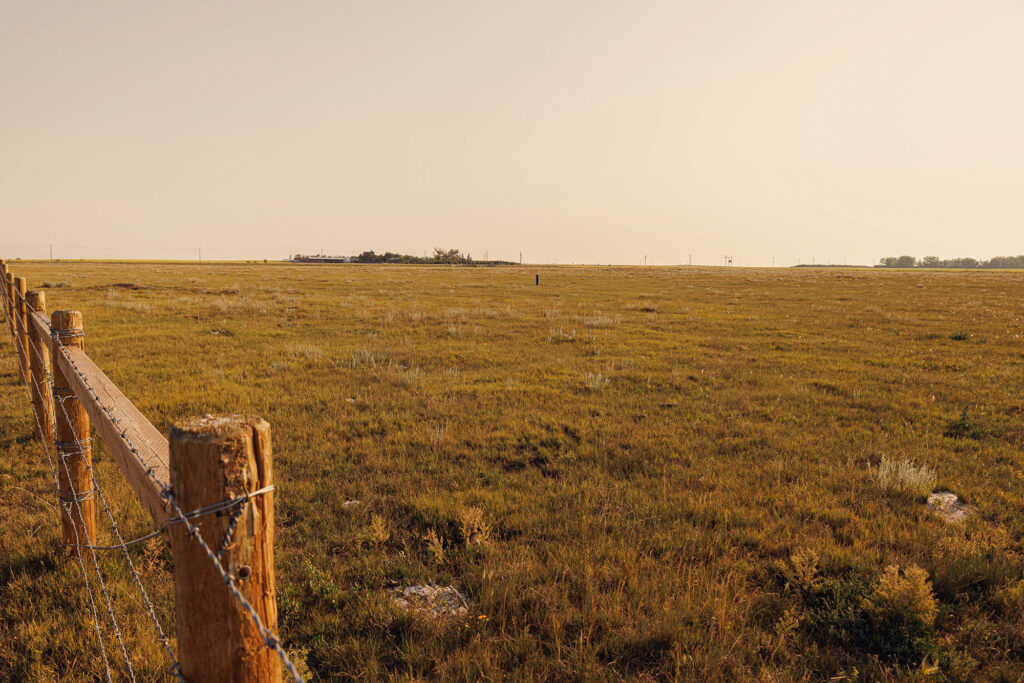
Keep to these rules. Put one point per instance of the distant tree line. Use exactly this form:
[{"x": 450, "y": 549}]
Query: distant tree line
[
  {"x": 449, "y": 256},
  {"x": 441, "y": 256},
  {"x": 935, "y": 262}
]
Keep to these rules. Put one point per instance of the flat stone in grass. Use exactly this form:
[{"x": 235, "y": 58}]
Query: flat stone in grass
[
  {"x": 948, "y": 507},
  {"x": 442, "y": 601}
]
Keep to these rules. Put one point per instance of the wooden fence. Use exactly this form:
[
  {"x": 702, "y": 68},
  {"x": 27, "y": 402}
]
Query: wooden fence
[{"x": 209, "y": 489}]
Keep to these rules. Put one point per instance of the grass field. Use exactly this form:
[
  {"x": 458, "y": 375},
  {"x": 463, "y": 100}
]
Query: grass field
[{"x": 632, "y": 473}]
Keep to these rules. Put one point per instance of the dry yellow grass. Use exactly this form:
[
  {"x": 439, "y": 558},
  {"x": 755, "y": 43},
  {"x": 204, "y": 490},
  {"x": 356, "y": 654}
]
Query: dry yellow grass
[{"x": 632, "y": 473}]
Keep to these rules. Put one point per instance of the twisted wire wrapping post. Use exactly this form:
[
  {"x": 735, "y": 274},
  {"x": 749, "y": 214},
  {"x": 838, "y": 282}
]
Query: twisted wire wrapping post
[
  {"x": 63, "y": 396},
  {"x": 270, "y": 639},
  {"x": 198, "y": 512}
]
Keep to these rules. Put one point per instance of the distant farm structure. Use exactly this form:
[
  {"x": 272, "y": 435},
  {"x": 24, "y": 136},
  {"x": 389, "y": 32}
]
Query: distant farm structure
[
  {"x": 441, "y": 256},
  {"x": 299, "y": 258}
]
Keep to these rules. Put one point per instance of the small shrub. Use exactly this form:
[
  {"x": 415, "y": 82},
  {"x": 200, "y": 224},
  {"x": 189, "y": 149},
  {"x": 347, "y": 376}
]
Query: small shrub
[
  {"x": 435, "y": 546},
  {"x": 474, "y": 530},
  {"x": 964, "y": 427},
  {"x": 891, "y": 619},
  {"x": 379, "y": 533},
  {"x": 595, "y": 380},
  {"x": 802, "y": 571},
  {"x": 905, "y": 476},
  {"x": 904, "y": 595}
]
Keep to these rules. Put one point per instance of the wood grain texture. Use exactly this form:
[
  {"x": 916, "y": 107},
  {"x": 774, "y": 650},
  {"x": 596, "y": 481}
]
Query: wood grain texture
[
  {"x": 39, "y": 368},
  {"x": 217, "y": 458},
  {"x": 116, "y": 416},
  {"x": 74, "y": 451},
  {"x": 3, "y": 290},
  {"x": 20, "y": 332},
  {"x": 39, "y": 321},
  {"x": 6, "y": 287}
]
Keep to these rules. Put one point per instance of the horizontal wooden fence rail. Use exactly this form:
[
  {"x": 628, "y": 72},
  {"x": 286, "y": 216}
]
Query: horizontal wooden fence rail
[
  {"x": 147, "y": 460},
  {"x": 209, "y": 490}
]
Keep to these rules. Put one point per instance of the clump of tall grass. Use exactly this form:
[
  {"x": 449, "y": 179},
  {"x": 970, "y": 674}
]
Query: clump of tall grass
[
  {"x": 453, "y": 314},
  {"x": 904, "y": 475},
  {"x": 302, "y": 351},
  {"x": 561, "y": 335},
  {"x": 367, "y": 359},
  {"x": 600, "y": 319},
  {"x": 115, "y": 299},
  {"x": 595, "y": 380}
]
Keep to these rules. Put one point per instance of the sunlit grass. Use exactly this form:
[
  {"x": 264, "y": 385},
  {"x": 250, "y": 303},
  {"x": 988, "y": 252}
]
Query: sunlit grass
[{"x": 631, "y": 473}]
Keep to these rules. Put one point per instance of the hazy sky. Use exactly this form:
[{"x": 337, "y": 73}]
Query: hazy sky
[{"x": 566, "y": 130}]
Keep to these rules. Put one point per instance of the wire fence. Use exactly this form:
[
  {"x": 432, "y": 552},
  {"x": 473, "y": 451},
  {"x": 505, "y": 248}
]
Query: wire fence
[{"x": 77, "y": 505}]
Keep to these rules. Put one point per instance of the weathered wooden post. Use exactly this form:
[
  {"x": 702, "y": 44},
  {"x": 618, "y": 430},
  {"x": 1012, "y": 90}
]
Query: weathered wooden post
[
  {"x": 20, "y": 333},
  {"x": 9, "y": 296},
  {"x": 5, "y": 294},
  {"x": 3, "y": 283},
  {"x": 215, "y": 459},
  {"x": 39, "y": 367},
  {"x": 73, "y": 446}
]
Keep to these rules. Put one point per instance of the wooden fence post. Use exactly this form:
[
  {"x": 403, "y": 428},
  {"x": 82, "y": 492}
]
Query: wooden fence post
[
  {"x": 3, "y": 283},
  {"x": 73, "y": 446},
  {"x": 215, "y": 459},
  {"x": 20, "y": 333},
  {"x": 39, "y": 365},
  {"x": 5, "y": 294}
]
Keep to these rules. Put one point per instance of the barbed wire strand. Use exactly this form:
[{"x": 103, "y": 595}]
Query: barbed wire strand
[
  {"x": 77, "y": 499},
  {"x": 199, "y": 512},
  {"x": 81, "y": 562},
  {"x": 175, "y": 669},
  {"x": 270, "y": 639}
]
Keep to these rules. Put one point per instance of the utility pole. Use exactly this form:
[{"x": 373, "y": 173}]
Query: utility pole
[
  {"x": 773, "y": 261},
  {"x": 51, "y": 251},
  {"x": 200, "y": 254}
]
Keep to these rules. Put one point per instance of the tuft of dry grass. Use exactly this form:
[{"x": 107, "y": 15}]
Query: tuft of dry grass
[{"x": 904, "y": 475}]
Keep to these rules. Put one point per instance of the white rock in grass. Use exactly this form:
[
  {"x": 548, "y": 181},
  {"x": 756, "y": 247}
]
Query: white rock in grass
[
  {"x": 948, "y": 507},
  {"x": 432, "y": 599}
]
